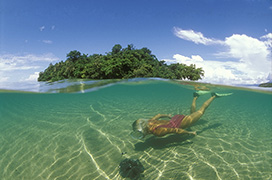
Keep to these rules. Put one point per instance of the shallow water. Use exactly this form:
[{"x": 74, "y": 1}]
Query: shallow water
[{"x": 82, "y": 135}]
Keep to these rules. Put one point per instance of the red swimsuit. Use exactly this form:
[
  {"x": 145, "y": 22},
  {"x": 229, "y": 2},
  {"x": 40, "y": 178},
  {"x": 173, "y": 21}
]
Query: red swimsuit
[{"x": 173, "y": 123}]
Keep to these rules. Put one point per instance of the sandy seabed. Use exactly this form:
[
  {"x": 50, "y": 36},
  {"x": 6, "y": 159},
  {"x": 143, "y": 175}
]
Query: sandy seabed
[{"x": 83, "y": 136}]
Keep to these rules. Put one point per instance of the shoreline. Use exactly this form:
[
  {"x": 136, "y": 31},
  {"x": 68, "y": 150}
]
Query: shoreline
[{"x": 82, "y": 85}]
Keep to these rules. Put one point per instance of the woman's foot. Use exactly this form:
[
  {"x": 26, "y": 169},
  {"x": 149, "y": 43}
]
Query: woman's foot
[
  {"x": 198, "y": 93},
  {"x": 195, "y": 94}
]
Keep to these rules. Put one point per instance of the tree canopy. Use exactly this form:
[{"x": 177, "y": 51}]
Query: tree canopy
[{"x": 120, "y": 63}]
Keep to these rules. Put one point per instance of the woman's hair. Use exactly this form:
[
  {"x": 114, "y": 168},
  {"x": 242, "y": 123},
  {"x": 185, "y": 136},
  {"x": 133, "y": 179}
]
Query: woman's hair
[{"x": 141, "y": 125}]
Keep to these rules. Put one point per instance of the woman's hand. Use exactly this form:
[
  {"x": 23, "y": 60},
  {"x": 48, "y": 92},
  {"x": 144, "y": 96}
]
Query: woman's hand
[{"x": 193, "y": 132}]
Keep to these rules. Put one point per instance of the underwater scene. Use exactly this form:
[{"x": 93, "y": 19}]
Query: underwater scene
[{"x": 83, "y": 132}]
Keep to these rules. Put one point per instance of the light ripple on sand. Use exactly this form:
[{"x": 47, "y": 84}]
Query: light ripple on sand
[{"x": 83, "y": 141}]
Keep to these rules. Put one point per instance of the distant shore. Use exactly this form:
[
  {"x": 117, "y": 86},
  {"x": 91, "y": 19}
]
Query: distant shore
[
  {"x": 265, "y": 85},
  {"x": 245, "y": 87}
]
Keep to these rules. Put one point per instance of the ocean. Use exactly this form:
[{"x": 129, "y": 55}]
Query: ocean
[{"x": 74, "y": 131}]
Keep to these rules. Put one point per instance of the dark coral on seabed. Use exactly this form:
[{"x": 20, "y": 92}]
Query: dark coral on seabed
[{"x": 131, "y": 168}]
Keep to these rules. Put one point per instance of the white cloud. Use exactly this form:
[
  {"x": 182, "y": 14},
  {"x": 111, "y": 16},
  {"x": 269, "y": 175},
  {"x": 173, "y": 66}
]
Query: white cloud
[
  {"x": 42, "y": 28},
  {"x": 268, "y": 39},
  {"x": 9, "y": 62},
  {"x": 17, "y": 68},
  {"x": 33, "y": 77},
  {"x": 196, "y": 37},
  {"x": 251, "y": 51},
  {"x": 252, "y": 66},
  {"x": 215, "y": 71},
  {"x": 218, "y": 72},
  {"x": 269, "y": 77},
  {"x": 197, "y": 58},
  {"x": 12, "y": 64},
  {"x": 3, "y": 78},
  {"x": 267, "y": 36},
  {"x": 47, "y": 41}
]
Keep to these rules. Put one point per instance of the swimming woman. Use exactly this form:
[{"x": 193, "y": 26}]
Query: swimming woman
[{"x": 177, "y": 124}]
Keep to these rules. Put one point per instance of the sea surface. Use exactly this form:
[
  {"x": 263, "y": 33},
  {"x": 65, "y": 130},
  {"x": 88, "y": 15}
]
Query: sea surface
[{"x": 85, "y": 134}]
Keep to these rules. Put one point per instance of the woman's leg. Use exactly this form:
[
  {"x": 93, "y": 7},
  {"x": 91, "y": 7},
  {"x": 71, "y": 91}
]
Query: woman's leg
[
  {"x": 206, "y": 104},
  {"x": 195, "y": 116},
  {"x": 193, "y": 106},
  {"x": 196, "y": 95}
]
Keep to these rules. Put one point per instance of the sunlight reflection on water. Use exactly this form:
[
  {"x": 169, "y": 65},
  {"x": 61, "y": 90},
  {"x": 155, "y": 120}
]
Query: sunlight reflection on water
[{"x": 82, "y": 85}]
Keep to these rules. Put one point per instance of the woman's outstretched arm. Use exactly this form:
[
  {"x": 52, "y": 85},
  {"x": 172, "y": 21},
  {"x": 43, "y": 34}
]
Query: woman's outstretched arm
[{"x": 158, "y": 116}]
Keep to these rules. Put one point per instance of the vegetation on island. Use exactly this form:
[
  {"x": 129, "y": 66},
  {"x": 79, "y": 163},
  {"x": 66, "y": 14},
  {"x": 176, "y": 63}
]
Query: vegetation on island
[
  {"x": 266, "y": 85},
  {"x": 120, "y": 63}
]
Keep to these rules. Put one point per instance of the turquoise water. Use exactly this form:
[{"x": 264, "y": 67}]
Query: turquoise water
[{"x": 82, "y": 135}]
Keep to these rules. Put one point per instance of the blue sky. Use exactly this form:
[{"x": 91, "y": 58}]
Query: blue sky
[{"x": 229, "y": 39}]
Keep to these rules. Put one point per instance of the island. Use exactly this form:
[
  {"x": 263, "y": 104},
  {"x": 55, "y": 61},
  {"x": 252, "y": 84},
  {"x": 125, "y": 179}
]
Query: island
[
  {"x": 120, "y": 63},
  {"x": 269, "y": 84}
]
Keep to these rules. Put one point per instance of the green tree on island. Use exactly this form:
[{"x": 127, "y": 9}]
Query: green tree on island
[{"x": 120, "y": 63}]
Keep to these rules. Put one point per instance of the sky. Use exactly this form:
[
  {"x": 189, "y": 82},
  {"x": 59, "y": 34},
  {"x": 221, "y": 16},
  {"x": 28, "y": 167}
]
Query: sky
[{"x": 230, "y": 39}]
